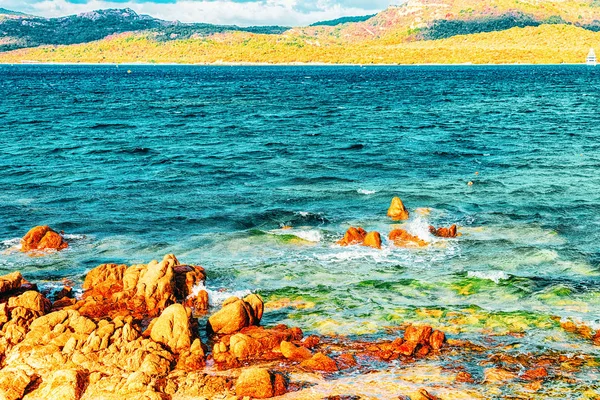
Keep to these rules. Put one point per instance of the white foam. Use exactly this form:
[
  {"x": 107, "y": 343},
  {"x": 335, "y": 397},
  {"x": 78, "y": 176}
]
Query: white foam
[
  {"x": 217, "y": 297},
  {"x": 303, "y": 213},
  {"x": 74, "y": 237},
  {"x": 419, "y": 226},
  {"x": 367, "y": 192},
  {"x": 308, "y": 235},
  {"x": 495, "y": 276},
  {"x": 12, "y": 242}
]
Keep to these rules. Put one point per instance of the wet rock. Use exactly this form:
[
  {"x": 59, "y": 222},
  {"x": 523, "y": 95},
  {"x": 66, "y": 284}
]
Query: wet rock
[
  {"x": 450, "y": 232},
  {"x": 198, "y": 302},
  {"x": 254, "y": 343},
  {"x": 345, "y": 361},
  {"x": 464, "y": 377},
  {"x": 105, "y": 278},
  {"x": 423, "y": 394},
  {"x": 402, "y": 238},
  {"x": 373, "y": 239},
  {"x": 260, "y": 383},
  {"x": 535, "y": 374},
  {"x": 293, "y": 352},
  {"x": 397, "y": 211},
  {"x": 498, "y": 375},
  {"x": 353, "y": 236},
  {"x": 418, "y": 334},
  {"x": 43, "y": 238},
  {"x": 437, "y": 339},
  {"x": 320, "y": 362}
]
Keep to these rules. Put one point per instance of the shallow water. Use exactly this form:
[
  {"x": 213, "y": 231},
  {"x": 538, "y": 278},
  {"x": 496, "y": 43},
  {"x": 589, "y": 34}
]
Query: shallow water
[{"x": 210, "y": 162}]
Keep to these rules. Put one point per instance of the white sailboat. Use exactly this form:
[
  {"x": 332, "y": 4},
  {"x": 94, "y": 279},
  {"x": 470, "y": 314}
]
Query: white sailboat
[{"x": 591, "y": 58}]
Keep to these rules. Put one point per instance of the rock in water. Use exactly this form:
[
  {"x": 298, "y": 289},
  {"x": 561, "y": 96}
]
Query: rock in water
[
  {"x": 353, "y": 236},
  {"x": 373, "y": 239},
  {"x": 320, "y": 362},
  {"x": 236, "y": 314},
  {"x": 397, "y": 211},
  {"x": 293, "y": 352},
  {"x": 43, "y": 238},
  {"x": 401, "y": 238},
  {"x": 450, "y": 232},
  {"x": 260, "y": 383}
]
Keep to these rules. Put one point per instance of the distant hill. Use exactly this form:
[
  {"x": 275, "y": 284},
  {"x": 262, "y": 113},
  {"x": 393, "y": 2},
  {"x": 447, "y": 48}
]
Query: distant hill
[
  {"x": 4, "y": 11},
  {"x": 30, "y": 31},
  {"x": 343, "y": 20},
  {"x": 418, "y": 31}
]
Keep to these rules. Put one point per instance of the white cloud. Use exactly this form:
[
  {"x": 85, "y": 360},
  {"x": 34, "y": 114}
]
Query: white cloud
[{"x": 261, "y": 12}]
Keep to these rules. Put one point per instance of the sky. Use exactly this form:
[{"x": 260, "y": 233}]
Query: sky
[{"x": 239, "y": 12}]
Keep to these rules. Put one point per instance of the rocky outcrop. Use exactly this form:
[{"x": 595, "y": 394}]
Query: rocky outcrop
[
  {"x": 450, "y": 232},
  {"x": 353, "y": 236},
  {"x": 236, "y": 314},
  {"x": 397, "y": 211},
  {"x": 43, "y": 238},
  {"x": 293, "y": 352},
  {"x": 141, "y": 291},
  {"x": 10, "y": 282},
  {"x": 402, "y": 238},
  {"x": 260, "y": 383}
]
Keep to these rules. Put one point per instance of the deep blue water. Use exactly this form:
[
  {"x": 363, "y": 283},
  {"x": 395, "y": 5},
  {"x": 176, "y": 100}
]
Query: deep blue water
[{"x": 209, "y": 162}]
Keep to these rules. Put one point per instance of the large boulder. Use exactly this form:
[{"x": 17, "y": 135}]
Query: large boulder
[
  {"x": 260, "y": 383},
  {"x": 293, "y": 352},
  {"x": 320, "y": 362},
  {"x": 10, "y": 282},
  {"x": 173, "y": 328},
  {"x": 62, "y": 384},
  {"x": 236, "y": 314},
  {"x": 43, "y": 238},
  {"x": 397, "y": 211}
]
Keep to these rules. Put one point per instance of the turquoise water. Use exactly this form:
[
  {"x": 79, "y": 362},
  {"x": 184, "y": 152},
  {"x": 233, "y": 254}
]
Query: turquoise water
[{"x": 210, "y": 162}]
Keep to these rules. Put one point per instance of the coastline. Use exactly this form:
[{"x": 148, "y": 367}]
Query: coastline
[{"x": 249, "y": 64}]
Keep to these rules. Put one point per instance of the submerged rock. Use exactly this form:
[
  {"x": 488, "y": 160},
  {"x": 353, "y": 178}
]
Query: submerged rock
[
  {"x": 43, "y": 238},
  {"x": 450, "y": 232},
  {"x": 402, "y": 238},
  {"x": 397, "y": 211}
]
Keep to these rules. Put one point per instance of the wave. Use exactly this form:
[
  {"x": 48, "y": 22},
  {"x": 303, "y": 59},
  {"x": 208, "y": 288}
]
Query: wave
[
  {"x": 310, "y": 235},
  {"x": 217, "y": 297},
  {"x": 367, "y": 192},
  {"x": 495, "y": 276}
]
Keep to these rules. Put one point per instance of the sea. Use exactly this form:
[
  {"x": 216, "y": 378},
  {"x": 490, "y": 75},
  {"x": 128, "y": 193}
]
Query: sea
[{"x": 255, "y": 172}]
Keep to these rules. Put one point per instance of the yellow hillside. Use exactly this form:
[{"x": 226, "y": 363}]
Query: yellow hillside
[{"x": 543, "y": 44}]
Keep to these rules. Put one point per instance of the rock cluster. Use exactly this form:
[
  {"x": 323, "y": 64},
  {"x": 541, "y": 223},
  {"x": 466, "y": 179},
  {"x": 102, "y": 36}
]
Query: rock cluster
[
  {"x": 402, "y": 238},
  {"x": 360, "y": 236},
  {"x": 397, "y": 211},
  {"x": 43, "y": 238}
]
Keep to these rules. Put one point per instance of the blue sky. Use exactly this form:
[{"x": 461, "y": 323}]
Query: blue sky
[{"x": 240, "y": 12}]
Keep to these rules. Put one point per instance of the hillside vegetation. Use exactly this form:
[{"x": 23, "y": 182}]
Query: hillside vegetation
[
  {"x": 418, "y": 31},
  {"x": 542, "y": 44}
]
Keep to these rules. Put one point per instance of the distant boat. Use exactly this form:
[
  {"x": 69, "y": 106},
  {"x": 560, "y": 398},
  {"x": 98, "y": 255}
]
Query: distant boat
[{"x": 591, "y": 58}]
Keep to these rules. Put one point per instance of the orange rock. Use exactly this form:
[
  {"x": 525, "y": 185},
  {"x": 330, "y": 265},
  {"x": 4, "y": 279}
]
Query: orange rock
[
  {"x": 417, "y": 334},
  {"x": 259, "y": 383},
  {"x": 407, "y": 348},
  {"x": 43, "y": 238},
  {"x": 423, "y": 351},
  {"x": 293, "y": 352},
  {"x": 373, "y": 239},
  {"x": 311, "y": 341},
  {"x": 423, "y": 394},
  {"x": 320, "y": 362},
  {"x": 199, "y": 302},
  {"x": 464, "y": 377},
  {"x": 62, "y": 384},
  {"x": 397, "y": 211},
  {"x": 535, "y": 374},
  {"x": 31, "y": 300},
  {"x": 353, "y": 236},
  {"x": 173, "y": 328},
  {"x": 437, "y": 339},
  {"x": 498, "y": 375},
  {"x": 10, "y": 281},
  {"x": 450, "y": 232},
  {"x": 345, "y": 361},
  {"x": 401, "y": 238},
  {"x": 235, "y": 315}
]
